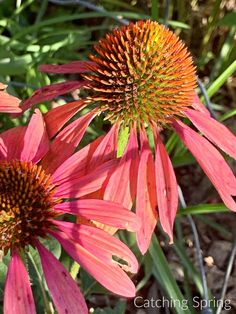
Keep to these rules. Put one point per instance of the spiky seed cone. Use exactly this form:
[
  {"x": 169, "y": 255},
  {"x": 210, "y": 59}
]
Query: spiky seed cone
[
  {"x": 25, "y": 204},
  {"x": 145, "y": 74}
]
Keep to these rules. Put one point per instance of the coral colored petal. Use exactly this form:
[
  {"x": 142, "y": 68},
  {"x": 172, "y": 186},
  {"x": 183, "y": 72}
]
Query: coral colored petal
[
  {"x": 77, "y": 165},
  {"x": 215, "y": 131},
  {"x": 166, "y": 185},
  {"x": 72, "y": 67},
  {"x": 93, "y": 249},
  {"x": 36, "y": 143},
  {"x": 228, "y": 200},
  {"x": 197, "y": 105},
  {"x": 49, "y": 92},
  {"x": 12, "y": 142},
  {"x": 65, "y": 293},
  {"x": 18, "y": 297},
  {"x": 66, "y": 141},
  {"x": 122, "y": 184},
  {"x": 8, "y": 103},
  {"x": 80, "y": 186},
  {"x": 146, "y": 202},
  {"x": 211, "y": 162},
  {"x": 106, "y": 150},
  {"x": 106, "y": 212},
  {"x": 57, "y": 117},
  {"x": 100, "y": 244}
]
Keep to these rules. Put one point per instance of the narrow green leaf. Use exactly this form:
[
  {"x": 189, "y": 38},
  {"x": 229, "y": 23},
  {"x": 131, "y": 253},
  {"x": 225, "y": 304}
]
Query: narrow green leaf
[
  {"x": 122, "y": 140},
  {"x": 203, "y": 209},
  {"x": 154, "y": 12},
  {"x": 215, "y": 86},
  {"x": 165, "y": 277}
]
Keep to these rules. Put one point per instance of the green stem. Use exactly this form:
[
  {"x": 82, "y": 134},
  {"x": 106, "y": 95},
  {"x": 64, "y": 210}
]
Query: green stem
[{"x": 45, "y": 298}]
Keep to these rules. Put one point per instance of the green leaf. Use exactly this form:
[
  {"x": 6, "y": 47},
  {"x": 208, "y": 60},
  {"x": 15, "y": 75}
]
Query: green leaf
[
  {"x": 164, "y": 276},
  {"x": 17, "y": 65},
  {"x": 122, "y": 140},
  {"x": 228, "y": 114},
  {"x": 215, "y": 86},
  {"x": 228, "y": 20},
  {"x": 203, "y": 209},
  {"x": 3, "y": 273}
]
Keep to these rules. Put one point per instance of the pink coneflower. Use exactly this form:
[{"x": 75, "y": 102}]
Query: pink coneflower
[
  {"x": 142, "y": 78},
  {"x": 33, "y": 200},
  {"x": 8, "y": 103}
]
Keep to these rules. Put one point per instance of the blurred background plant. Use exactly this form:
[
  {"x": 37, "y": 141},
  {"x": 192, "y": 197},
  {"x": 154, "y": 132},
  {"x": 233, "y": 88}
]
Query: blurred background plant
[{"x": 58, "y": 31}]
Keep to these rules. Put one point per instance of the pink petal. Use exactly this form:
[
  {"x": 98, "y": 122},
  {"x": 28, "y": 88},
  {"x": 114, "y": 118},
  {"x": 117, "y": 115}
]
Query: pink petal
[
  {"x": 167, "y": 192},
  {"x": 146, "y": 203},
  {"x": 197, "y": 105},
  {"x": 8, "y": 103},
  {"x": 65, "y": 293},
  {"x": 66, "y": 141},
  {"x": 106, "y": 212},
  {"x": 18, "y": 297},
  {"x": 76, "y": 165},
  {"x": 12, "y": 142},
  {"x": 80, "y": 186},
  {"x": 36, "y": 143},
  {"x": 106, "y": 150},
  {"x": 57, "y": 117},
  {"x": 72, "y": 67},
  {"x": 215, "y": 131},
  {"x": 122, "y": 184},
  {"x": 94, "y": 250},
  {"x": 211, "y": 161},
  {"x": 49, "y": 92}
]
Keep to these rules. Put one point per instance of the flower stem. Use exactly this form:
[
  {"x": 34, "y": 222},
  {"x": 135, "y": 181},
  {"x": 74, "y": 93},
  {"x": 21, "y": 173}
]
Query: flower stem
[{"x": 46, "y": 302}]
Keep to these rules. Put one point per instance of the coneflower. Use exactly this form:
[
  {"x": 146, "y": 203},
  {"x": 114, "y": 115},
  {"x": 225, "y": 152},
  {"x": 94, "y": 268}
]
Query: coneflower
[
  {"x": 33, "y": 201},
  {"x": 142, "y": 77}
]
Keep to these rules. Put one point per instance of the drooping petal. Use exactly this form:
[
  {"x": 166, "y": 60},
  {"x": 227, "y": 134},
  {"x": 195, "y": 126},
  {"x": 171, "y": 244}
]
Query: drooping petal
[
  {"x": 211, "y": 161},
  {"x": 106, "y": 150},
  {"x": 166, "y": 186},
  {"x": 106, "y": 212},
  {"x": 215, "y": 131},
  {"x": 91, "y": 182},
  {"x": 77, "y": 165},
  {"x": 36, "y": 143},
  {"x": 146, "y": 202},
  {"x": 65, "y": 293},
  {"x": 197, "y": 105},
  {"x": 18, "y": 297},
  {"x": 122, "y": 184},
  {"x": 95, "y": 251},
  {"x": 12, "y": 142},
  {"x": 8, "y": 103},
  {"x": 49, "y": 92},
  {"x": 57, "y": 117},
  {"x": 72, "y": 67},
  {"x": 66, "y": 141}
]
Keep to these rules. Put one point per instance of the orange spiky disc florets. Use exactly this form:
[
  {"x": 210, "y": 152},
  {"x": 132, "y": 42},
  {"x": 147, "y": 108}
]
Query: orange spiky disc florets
[
  {"x": 26, "y": 203},
  {"x": 144, "y": 73}
]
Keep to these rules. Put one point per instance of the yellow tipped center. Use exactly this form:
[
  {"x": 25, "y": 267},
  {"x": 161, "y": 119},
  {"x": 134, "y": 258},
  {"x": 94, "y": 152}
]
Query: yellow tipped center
[
  {"x": 26, "y": 202},
  {"x": 144, "y": 73}
]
